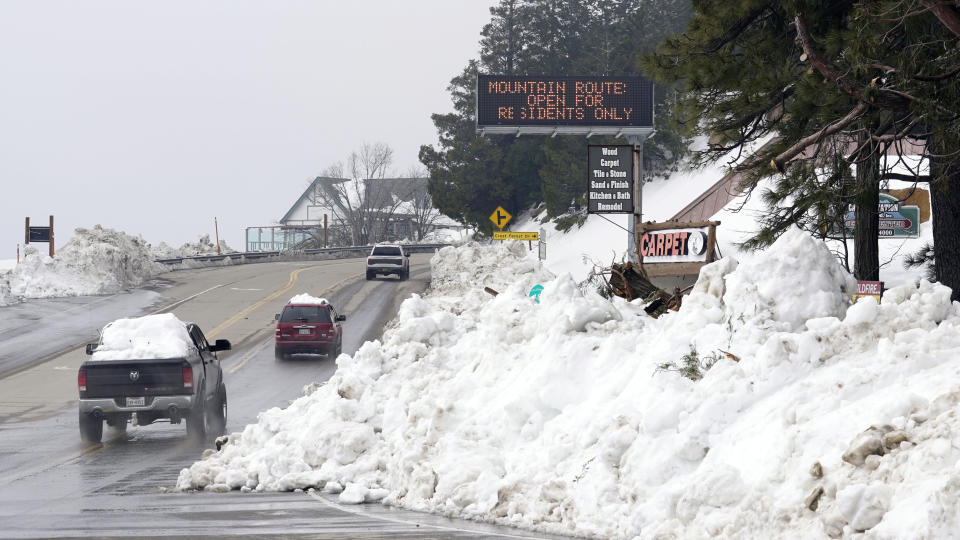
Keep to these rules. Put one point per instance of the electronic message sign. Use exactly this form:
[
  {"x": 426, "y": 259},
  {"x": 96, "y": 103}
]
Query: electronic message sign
[
  {"x": 610, "y": 177},
  {"x": 566, "y": 105}
]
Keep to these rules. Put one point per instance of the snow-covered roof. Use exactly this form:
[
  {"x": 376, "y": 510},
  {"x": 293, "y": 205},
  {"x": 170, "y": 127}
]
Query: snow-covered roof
[
  {"x": 304, "y": 298},
  {"x": 148, "y": 337}
]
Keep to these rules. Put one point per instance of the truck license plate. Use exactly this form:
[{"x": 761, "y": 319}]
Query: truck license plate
[
  {"x": 136, "y": 401},
  {"x": 304, "y": 331}
]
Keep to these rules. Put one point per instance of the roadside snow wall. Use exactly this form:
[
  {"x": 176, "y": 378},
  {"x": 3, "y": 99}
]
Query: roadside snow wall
[
  {"x": 94, "y": 261},
  {"x": 565, "y": 415}
]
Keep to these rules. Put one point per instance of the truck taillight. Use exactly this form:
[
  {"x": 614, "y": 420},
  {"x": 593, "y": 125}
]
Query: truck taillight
[
  {"x": 278, "y": 331},
  {"x": 188, "y": 377},
  {"x": 82, "y": 380}
]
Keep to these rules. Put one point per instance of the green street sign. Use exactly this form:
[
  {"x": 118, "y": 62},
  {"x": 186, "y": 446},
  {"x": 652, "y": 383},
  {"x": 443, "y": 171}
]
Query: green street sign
[{"x": 896, "y": 220}]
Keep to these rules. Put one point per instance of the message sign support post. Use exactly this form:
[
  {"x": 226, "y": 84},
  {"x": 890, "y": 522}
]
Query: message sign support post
[{"x": 632, "y": 243}]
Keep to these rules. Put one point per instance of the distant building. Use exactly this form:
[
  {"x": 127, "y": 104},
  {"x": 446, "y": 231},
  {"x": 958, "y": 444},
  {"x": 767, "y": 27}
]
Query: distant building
[{"x": 388, "y": 209}]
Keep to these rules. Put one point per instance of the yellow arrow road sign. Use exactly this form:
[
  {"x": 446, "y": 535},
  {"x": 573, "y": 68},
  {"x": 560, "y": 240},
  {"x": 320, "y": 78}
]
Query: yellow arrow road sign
[{"x": 500, "y": 217}]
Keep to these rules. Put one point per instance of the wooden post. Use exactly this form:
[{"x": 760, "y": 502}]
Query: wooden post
[
  {"x": 711, "y": 243},
  {"x": 51, "y": 236},
  {"x": 26, "y": 233},
  {"x": 324, "y": 230},
  {"x": 216, "y": 232}
]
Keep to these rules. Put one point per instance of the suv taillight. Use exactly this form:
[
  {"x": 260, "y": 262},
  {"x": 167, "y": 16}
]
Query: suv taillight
[
  {"x": 82, "y": 380},
  {"x": 188, "y": 377},
  {"x": 368, "y": 260},
  {"x": 278, "y": 331}
]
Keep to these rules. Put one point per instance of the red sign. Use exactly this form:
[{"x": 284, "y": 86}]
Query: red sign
[
  {"x": 869, "y": 288},
  {"x": 873, "y": 288}
]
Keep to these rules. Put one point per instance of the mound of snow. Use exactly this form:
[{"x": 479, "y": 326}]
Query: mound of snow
[
  {"x": 304, "y": 298},
  {"x": 149, "y": 337},
  {"x": 203, "y": 246},
  {"x": 566, "y": 415},
  {"x": 94, "y": 261}
]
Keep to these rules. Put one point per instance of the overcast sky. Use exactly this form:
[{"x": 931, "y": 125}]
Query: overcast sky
[{"x": 154, "y": 117}]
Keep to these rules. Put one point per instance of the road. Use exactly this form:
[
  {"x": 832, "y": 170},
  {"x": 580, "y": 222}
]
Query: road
[{"x": 52, "y": 485}]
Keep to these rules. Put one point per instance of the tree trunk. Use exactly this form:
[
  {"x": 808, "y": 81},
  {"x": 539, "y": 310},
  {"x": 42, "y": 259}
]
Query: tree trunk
[
  {"x": 866, "y": 255},
  {"x": 945, "y": 206}
]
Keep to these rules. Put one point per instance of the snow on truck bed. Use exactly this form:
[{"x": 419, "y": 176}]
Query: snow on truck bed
[
  {"x": 144, "y": 338},
  {"x": 567, "y": 415}
]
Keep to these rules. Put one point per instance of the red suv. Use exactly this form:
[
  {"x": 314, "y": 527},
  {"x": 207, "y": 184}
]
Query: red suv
[{"x": 308, "y": 326}]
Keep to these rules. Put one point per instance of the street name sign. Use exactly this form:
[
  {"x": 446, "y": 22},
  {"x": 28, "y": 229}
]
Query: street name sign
[
  {"x": 610, "y": 179},
  {"x": 516, "y": 235}
]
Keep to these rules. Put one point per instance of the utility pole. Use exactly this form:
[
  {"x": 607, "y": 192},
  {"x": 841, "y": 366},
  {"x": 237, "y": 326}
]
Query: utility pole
[{"x": 324, "y": 230}]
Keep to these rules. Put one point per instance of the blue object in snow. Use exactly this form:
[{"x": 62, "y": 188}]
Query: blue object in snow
[{"x": 535, "y": 292}]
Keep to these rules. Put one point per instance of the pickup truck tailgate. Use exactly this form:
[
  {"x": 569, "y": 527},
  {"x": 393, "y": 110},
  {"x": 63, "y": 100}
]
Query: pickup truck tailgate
[{"x": 107, "y": 379}]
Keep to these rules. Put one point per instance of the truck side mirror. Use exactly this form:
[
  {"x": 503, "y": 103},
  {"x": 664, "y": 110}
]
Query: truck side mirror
[
  {"x": 406, "y": 253},
  {"x": 91, "y": 347},
  {"x": 276, "y": 317},
  {"x": 341, "y": 317},
  {"x": 220, "y": 345}
]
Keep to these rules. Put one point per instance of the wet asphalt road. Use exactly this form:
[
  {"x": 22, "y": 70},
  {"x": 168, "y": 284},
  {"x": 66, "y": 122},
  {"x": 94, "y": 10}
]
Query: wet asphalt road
[{"x": 51, "y": 485}]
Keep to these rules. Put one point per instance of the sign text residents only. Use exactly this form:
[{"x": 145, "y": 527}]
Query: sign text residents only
[
  {"x": 610, "y": 179},
  {"x": 507, "y": 100}
]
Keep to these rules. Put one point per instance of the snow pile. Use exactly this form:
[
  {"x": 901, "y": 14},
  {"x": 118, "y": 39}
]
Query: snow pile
[
  {"x": 94, "y": 261},
  {"x": 150, "y": 337},
  {"x": 203, "y": 246},
  {"x": 305, "y": 298},
  {"x": 569, "y": 415}
]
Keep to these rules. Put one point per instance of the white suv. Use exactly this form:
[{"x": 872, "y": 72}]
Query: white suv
[{"x": 388, "y": 259}]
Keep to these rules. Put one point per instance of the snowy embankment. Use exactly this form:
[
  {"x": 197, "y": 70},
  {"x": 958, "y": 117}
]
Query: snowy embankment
[
  {"x": 94, "y": 261},
  {"x": 203, "y": 246},
  {"x": 567, "y": 416}
]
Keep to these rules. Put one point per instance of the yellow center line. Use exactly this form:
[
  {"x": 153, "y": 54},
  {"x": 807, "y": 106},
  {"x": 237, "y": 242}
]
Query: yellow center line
[
  {"x": 247, "y": 310},
  {"x": 245, "y": 358}
]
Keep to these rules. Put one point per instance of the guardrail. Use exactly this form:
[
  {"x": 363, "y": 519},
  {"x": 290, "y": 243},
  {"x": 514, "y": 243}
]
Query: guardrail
[{"x": 356, "y": 251}]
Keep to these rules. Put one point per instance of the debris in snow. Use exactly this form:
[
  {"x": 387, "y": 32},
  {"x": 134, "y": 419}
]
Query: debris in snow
[
  {"x": 813, "y": 500},
  {"x": 869, "y": 442}
]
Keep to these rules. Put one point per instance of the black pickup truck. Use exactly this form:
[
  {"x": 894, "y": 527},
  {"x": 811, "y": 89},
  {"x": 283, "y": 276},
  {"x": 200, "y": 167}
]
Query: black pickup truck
[{"x": 117, "y": 388}]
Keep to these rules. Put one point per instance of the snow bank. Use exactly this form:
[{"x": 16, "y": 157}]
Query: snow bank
[
  {"x": 149, "y": 337},
  {"x": 203, "y": 246},
  {"x": 304, "y": 298},
  {"x": 94, "y": 261},
  {"x": 568, "y": 415}
]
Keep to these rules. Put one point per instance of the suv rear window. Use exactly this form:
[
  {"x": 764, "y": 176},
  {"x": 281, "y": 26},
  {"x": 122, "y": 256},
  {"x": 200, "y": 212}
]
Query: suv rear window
[
  {"x": 313, "y": 314},
  {"x": 387, "y": 250}
]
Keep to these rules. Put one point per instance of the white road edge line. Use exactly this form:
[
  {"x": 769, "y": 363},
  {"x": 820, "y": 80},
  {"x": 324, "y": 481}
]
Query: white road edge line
[
  {"x": 177, "y": 303},
  {"x": 414, "y": 523}
]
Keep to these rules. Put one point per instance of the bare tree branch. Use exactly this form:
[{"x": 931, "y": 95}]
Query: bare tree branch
[{"x": 781, "y": 160}]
